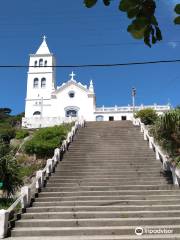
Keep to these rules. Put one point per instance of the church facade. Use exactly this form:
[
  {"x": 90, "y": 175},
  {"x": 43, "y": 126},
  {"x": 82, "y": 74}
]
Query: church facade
[{"x": 47, "y": 104}]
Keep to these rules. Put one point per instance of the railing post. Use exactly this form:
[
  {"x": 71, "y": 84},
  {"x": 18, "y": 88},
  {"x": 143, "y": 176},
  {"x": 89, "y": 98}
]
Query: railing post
[
  {"x": 157, "y": 154},
  {"x": 145, "y": 136},
  {"x": 151, "y": 142},
  {"x": 26, "y": 199},
  {"x": 57, "y": 155},
  {"x": 4, "y": 217},
  {"x": 39, "y": 179},
  {"x": 175, "y": 179},
  {"x": 49, "y": 166}
]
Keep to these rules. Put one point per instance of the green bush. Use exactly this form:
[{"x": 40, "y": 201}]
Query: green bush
[
  {"x": 27, "y": 171},
  {"x": 148, "y": 116},
  {"x": 9, "y": 171},
  {"x": 166, "y": 131},
  {"x": 6, "y": 202},
  {"x": 46, "y": 140},
  {"x": 6, "y": 132},
  {"x": 21, "y": 134}
]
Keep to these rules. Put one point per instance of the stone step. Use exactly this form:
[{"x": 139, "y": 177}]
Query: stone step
[
  {"x": 106, "y": 188},
  {"x": 103, "y": 184},
  {"x": 101, "y": 208},
  {"x": 110, "y": 157},
  {"x": 108, "y": 181},
  {"x": 108, "y": 171},
  {"x": 100, "y": 214},
  {"x": 104, "y": 237},
  {"x": 67, "y": 197},
  {"x": 164, "y": 200},
  {"x": 104, "y": 161},
  {"x": 98, "y": 178},
  {"x": 103, "y": 167},
  {"x": 137, "y": 174},
  {"x": 80, "y": 231},
  {"x": 97, "y": 222},
  {"x": 108, "y": 164}
]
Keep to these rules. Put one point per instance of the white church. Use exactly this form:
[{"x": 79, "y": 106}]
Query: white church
[{"x": 47, "y": 104}]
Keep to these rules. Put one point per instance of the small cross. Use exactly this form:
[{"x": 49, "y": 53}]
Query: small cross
[
  {"x": 72, "y": 75},
  {"x": 44, "y": 38}
]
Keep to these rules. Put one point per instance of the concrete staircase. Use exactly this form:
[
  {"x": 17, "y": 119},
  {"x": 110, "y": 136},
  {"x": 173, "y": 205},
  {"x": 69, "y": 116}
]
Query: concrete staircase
[{"x": 108, "y": 184}]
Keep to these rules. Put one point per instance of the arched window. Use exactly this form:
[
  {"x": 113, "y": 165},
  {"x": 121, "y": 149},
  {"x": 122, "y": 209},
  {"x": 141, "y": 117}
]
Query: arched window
[
  {"x": 36, "y": 83},
  {"x": 45, "y": 63},
  {"x": 40, "y": 62},
  {"x": 43, "y": 83},
  {"x": 37, "y": 113},
  {"x": 35, "y": 64}
]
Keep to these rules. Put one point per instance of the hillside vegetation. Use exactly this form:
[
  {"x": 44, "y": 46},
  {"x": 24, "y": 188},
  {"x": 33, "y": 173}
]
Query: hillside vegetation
[
  {"x": 165, "y": 129},
  {"x": 23, "y": 152}
]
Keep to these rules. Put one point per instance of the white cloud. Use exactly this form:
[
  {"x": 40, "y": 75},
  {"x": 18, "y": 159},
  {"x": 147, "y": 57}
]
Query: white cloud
[{"x": 173, "y": 44}]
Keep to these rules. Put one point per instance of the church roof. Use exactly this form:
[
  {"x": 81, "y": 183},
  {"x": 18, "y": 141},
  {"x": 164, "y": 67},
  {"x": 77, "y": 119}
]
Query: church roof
[
  {"x": 43, "y": 49},
  {"x": 72, "y": 81}
]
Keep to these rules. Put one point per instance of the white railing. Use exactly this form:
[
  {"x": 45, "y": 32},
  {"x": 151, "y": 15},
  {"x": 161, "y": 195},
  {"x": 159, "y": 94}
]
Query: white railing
[
  {"x": 29, "y": 192},
  {"x": 160, "y": 154},
  {"x": 130, "y": 108}
]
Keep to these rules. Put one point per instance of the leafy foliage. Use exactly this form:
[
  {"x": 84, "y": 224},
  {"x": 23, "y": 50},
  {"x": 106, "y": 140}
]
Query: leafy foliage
[
  {"x": 148, "y": 116},
  {"x": 46, "y": 140},
  {"x": 4, "y": 113},
  {"x": 22, "y": 133},
  {"x": 177, "y": 11},
  {"x": 7, "y": 132},
  {"x": 6, "y": 202},
  {"x": 144, "y": 24},
  {"x": 8, "y": 124},
  {"x": 167, "y": 132},
  {"x": 9, "y": 170}
]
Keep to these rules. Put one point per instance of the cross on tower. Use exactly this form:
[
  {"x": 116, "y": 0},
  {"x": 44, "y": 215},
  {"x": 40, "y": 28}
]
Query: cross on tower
[{"x": 72, "y": 75}]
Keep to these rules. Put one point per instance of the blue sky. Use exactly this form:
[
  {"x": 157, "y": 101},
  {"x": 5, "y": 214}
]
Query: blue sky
[{"x": 77, "y": 35}]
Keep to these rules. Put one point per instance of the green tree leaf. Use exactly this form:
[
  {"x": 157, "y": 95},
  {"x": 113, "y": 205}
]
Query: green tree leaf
[
  {"x": 107, "y": 2},
  {"x": 124, "y": 5},
  {"x": 177, "y": 9},
  {"x": 177, "y": 20},
  {"x": 90, "y": 3}
]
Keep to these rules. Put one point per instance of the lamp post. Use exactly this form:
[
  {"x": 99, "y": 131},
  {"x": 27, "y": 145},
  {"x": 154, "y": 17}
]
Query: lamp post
[{"x": 133, "y": 93}]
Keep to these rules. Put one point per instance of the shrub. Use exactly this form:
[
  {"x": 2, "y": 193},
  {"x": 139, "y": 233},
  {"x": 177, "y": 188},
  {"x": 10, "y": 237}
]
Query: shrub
[
  {"x": 21, "y": 134},
  {"x": 148, "y": 116},
  {"x": 46, "y": 140},
  {"x": 166, "y": 131},
  {"x": 9, "y": 171},
  {"x": 6, "y": 133}
]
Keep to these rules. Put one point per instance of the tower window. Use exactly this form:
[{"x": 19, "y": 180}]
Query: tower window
[
  {"x": 71, "y": 94},
  {"x": 36, "y": 83},
  {"x": 45, "y": 63},
  {"x": 43, "y": 83},
  {"x": 40, "y": 62},
  {"x": 35, "y": 64}
]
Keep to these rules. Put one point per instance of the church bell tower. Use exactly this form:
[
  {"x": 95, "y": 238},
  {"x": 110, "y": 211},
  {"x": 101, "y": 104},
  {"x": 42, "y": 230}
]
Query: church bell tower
[{"x": 41, "y": 79}]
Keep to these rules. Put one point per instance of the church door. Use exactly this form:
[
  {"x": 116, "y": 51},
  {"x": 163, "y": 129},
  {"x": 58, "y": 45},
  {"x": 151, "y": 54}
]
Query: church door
[{"x": 71, "y": 113}]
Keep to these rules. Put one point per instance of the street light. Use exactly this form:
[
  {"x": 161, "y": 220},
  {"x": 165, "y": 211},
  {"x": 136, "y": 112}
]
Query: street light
[{"x": 133, "y": 93}]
